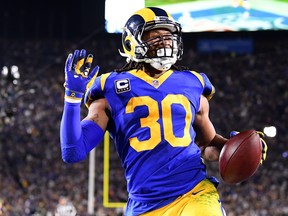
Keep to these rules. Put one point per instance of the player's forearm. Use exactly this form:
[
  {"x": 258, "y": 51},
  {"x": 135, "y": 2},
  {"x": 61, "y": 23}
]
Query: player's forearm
[
  {"x": 212, "y": 151},
  {"x": 218, "y": 141},
  {"x": 77, "y": 138},
  {"x": 71, "y": 140}
]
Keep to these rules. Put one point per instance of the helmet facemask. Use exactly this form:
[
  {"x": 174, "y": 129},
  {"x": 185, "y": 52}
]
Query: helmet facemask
[{"x": 162, "y": 57}]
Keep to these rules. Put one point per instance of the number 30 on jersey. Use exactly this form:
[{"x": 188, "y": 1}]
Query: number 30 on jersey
[{"x": 152, "y": 121}]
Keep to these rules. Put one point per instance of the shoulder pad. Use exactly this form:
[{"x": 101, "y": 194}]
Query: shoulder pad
[
  {"x": 209, "y": 89},
  {"x": 96, "y": 90}
]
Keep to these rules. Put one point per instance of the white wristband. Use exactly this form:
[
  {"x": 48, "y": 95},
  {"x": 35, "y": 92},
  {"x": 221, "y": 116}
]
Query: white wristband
[{"x": 72, "y": 100}]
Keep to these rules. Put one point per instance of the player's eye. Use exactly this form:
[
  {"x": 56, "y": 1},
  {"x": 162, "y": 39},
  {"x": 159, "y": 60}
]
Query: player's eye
[{"x": 160, "y": 40}]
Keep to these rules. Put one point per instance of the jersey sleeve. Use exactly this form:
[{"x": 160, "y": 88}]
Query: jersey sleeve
[
  {"x": 209, "y": 89},
  {"x": 94, "y": 92}
]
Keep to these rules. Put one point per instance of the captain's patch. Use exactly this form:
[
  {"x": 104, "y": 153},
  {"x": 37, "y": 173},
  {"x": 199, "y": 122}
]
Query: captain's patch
[{"x": 122, "y": 85}]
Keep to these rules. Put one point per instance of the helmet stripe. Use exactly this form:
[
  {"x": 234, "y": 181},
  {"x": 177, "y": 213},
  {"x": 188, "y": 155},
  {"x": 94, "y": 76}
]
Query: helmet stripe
[
  {"x": 160, "y": 12},
  {"x": 147, "y": 14}
]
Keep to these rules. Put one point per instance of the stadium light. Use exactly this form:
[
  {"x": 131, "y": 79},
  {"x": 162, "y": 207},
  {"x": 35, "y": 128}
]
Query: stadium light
[
  {"x": 270, "y": 131},
  {"x": 4, "y": 71},
  {"x": 11, "y": 74}
]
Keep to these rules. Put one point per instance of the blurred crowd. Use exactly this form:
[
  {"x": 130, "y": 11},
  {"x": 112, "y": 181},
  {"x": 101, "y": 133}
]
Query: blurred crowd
[{"x": 251, "y": 93}]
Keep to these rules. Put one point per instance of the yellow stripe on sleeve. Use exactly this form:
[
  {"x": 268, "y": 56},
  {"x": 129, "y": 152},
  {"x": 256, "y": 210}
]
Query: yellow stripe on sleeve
[
  {"x": 103, "y": 80},
  {"x": 199, "y": 77}
]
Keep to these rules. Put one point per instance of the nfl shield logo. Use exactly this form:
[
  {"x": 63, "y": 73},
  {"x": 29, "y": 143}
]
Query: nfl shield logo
[{"x": 155, "y": 83}]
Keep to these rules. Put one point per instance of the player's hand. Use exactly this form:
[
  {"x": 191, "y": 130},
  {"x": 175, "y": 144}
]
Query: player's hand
[
  {"x": 77, "y": 76},
  {"x": 233, "y": 133},
  {"x": 264, "y": 144}
]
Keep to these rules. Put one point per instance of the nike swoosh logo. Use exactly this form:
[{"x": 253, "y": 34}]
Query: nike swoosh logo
[{"x": 194, "y": 193}]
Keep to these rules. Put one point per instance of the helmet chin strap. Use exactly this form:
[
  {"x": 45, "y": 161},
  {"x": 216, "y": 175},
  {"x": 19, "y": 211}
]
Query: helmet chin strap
[{"x": 163, "y": 63}]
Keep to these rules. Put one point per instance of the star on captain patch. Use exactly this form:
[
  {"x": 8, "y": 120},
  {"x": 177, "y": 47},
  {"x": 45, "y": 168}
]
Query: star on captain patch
[{"x": 155, "y": 83}]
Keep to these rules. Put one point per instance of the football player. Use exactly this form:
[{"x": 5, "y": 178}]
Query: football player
[{"x": 157, "y": 114}]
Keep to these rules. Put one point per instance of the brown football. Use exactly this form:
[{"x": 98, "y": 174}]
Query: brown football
[{"x": 240, "y": 157}]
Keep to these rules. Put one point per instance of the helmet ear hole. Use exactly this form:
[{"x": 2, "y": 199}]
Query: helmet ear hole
[{"x": 127, "y": 45}]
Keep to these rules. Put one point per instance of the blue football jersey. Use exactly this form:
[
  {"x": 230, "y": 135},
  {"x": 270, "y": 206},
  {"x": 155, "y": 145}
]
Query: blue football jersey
[{"x": 152, "y": 126}]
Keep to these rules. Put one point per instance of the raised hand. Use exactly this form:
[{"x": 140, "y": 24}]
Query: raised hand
[
  {"x": 264, "y": 146},
  {"x": 77, "y": 76}
]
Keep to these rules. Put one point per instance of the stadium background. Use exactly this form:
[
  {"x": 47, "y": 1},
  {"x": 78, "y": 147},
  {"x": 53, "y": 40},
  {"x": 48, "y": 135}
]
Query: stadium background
[{"x": 37, "y": 36}]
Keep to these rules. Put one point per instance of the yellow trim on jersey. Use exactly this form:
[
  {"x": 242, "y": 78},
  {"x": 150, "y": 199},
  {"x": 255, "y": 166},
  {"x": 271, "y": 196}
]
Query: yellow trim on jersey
[
  {"x": 103, "y": 79},
  {"x": 150, "y": 80},
  {"x": 199, "y": 77},
  {"x": 211, "y": 94},
  {"x": 202, "y": 82}
]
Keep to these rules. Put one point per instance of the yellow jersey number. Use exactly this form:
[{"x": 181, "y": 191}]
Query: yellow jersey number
[{"x": 151, "y": 121}]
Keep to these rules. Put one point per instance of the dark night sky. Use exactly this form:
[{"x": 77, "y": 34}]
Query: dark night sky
[{"x": 46, "y": 19}]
